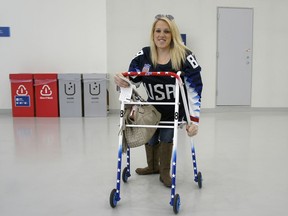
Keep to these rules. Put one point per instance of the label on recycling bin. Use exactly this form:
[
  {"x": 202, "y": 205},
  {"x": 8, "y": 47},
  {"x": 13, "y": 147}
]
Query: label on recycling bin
[{"x": 22, "y": 101}]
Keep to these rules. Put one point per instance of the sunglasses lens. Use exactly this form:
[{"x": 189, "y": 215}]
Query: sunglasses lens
[
  {"x": 170, "y": 17},
  {"x": 159, "y": 16}
]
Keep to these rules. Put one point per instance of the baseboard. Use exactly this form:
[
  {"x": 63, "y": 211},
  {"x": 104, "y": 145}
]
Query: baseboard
[
  {"x": 6, "y": 111},
  {"x": 218, "y": 109}
]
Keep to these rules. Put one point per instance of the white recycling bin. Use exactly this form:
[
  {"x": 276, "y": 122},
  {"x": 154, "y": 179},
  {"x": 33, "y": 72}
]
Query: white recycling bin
[
  {"x": 95, "y": 94},
  {"x": 70, "y": 95}
]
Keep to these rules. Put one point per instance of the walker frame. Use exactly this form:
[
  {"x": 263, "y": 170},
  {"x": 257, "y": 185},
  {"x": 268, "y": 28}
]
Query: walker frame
[{"x": 174, "y": 198}]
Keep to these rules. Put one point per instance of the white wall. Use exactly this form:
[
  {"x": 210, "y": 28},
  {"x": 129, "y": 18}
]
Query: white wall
[
  {"x": 63, "y": 36},
  {"x": 73, "y": 36},
  {"x": 270, "y": 66}
]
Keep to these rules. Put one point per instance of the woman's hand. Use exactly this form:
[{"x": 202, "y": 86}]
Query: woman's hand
[
  {"x": 192, "y": 129},
  {"x": 120, "y": 81}
]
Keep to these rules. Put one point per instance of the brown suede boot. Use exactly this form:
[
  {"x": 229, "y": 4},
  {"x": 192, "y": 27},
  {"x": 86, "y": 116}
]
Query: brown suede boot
[
  {"x": 165, "y": 163},
  {"x": 152, "y": 156}
]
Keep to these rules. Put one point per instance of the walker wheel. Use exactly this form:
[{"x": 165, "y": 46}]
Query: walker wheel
[
  {"x": 176, "y": 204},
  {"x": 125, "y": 174},
  {"x": 113, "y": 200},
  {"x": 199, "y": 179}
]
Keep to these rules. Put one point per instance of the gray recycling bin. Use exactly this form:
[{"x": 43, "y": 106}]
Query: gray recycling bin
[
  {"x": 70, "y": 95},
  {"x": 95, "y": 94}
]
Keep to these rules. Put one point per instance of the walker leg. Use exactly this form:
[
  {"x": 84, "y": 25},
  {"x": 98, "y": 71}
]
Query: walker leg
[
  {"x": 175, "y": 198},
  {"x": 119, "y": 173},
  {"x": 173, "y": 187},
  {"x": 115, "y": 193},
  {"x": 197, "y": 175},
  {"x": 128, "y": 161},
  {"x": 194, "y": 163},
  {"x": 126, "y": 171}
]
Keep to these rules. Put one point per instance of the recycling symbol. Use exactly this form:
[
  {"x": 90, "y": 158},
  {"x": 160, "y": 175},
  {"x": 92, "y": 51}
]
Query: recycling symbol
[
  {"x": 22, "y": 99},
  {"x": 46, "y": 91},
  {"x": 21, "y": 91}
]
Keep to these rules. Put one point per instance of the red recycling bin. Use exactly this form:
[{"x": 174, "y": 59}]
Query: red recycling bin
[
  {"x": 46, "y": 95},
  {"x": 22, "y": 95}
]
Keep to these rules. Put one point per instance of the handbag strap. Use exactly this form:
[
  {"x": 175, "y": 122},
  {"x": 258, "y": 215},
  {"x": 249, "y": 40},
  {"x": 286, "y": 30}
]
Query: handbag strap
[{"x": 136, "y": 96}]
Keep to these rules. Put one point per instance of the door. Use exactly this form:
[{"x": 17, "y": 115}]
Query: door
[{"x": 234, "y": 56}]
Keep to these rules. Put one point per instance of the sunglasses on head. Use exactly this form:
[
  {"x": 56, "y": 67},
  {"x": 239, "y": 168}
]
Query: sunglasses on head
[{"x": 159, "y": 16}]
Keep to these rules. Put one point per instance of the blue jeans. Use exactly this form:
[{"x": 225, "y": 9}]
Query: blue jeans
[{"x": 164, "y": 135}]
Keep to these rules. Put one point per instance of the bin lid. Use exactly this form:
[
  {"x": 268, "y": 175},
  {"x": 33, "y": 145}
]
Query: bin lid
[
  {"x": 69, "y": 76},
  {"x": 21, "y": 76},
  {"x": 91, "y": 76},
  {"x": 45, "y": 76}
]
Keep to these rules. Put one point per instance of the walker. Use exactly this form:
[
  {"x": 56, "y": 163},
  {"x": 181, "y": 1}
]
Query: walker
[{"x": 175, "y": 198}]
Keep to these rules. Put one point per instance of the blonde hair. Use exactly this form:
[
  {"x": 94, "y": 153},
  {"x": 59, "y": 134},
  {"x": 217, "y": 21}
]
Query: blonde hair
[{"x": 177, "y": 48}]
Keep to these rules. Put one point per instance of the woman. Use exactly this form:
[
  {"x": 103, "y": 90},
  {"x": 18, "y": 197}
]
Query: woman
[{"x": 166, "y": 53}]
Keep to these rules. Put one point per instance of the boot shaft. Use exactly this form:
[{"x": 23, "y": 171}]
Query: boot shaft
[
  {"x": 152, "y": 156},
  {"x": 165, "y": 163}
]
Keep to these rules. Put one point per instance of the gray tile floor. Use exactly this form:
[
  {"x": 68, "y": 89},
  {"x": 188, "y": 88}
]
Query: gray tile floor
[{"x": 67, "y": 166}]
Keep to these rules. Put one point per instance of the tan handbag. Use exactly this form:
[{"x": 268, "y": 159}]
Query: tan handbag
[{"x": 145, "y": 114}]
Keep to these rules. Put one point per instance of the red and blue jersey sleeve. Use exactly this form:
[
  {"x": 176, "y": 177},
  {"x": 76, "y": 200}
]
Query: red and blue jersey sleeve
[{"x": 193, "y": 83}]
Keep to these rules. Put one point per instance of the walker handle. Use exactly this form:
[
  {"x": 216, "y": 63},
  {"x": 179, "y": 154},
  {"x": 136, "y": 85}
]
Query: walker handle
[{"x": 171, "y": 74}]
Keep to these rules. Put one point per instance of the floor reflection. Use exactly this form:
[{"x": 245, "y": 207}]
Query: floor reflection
[{"x": 38, "y": 137}]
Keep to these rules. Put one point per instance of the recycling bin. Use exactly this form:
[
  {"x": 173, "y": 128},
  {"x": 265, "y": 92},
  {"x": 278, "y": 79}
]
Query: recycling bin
[
  {"x": 46, "y": 95},
  {"x": 70, "y": 95},
  {"x": 95, "y": 94},
  {"x": 22, "y": 95}
]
